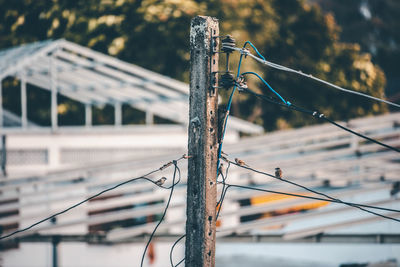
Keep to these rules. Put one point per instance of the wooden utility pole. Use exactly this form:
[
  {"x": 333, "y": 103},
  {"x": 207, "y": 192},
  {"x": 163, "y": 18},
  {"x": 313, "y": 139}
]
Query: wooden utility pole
[{"x": 203, "y": 143}]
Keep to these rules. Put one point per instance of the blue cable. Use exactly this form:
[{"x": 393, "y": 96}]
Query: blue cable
[
  {"x": 228, "y": 108},
  {"x": 255, "y": 49},
  {"x": 281, "y": 98},
  {"x": 233, "y": 91}
]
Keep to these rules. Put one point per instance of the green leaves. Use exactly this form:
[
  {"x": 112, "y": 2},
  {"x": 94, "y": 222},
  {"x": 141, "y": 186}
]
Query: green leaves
[{"x": 154, "y": 34}]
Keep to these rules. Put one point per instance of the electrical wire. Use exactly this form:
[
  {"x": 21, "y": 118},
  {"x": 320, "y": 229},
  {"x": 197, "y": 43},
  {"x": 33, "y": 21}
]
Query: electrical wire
[
  {"x": 231, "y": 97},
  {"x": 172, "y": 250},
  {"x": 179, "y": 263},
  {"x": 219, "y": 206},
  {"x": 308, "y": 197},
  {"x": 223, "y": 135},
  {"x": 143, "y": 177},
  {"x": 283, "y": 68},
  {"x": 223, "y": 191},
  {"x": 255, "y": 49},
  {"x": 223, "y": 179},
  {"x": 165, "y": 210},
  {"x": 267, "y": 84},
  {"x": 226, "y": 121},
  {"x": 320, "y": 116},
  {"x": 329, "y": 198}
]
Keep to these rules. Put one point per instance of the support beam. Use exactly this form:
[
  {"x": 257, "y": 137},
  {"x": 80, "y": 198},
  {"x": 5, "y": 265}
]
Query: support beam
[
  {"x": 55, "y": 242},
  {"x": 24, "y": 113},
  {"x": 4, "y": 155},
  {"x": 149, "y": 117},
  {"x": 202, "y": 145},
  {"x": 53, "y": 85},
  {"x": 88, "y": 115},
  {"x": 1, "y": 105},
  {"x": 117, "y": 114}
]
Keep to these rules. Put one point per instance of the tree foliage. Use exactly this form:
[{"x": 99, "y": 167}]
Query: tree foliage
[
  {"x": 154, "y": 34},
  {"x": 374, "y": 25}
]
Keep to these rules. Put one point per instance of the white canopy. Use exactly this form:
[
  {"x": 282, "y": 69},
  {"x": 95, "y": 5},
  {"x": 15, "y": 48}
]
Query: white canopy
[{"x": 93, "y": 78}]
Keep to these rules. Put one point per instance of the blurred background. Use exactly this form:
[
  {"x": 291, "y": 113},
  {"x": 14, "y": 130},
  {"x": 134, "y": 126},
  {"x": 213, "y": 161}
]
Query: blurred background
[
  {"x": 94, "y": 92},
  {"x": 355, "y": 44}
]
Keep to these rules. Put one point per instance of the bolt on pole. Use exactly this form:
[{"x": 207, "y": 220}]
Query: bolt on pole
[{"x": 202, "y": 144}]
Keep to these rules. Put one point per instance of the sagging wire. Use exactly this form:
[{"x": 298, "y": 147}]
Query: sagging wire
[
  {"x": 172, "y": 250},
  {"x": 224, "y": 187},
  {"x": 289, "y": 105},
  {"x": 327, "y": 197},
  {"x": 228, "y": 108},
  {"x": 308, "y": 197},
  {"x": 319, "y": 116},
  {"x": 143, "y": 177},
  {"x": 219, "y": 206},
  {"x": 267, "y": 84},
  {"x": 255, "y": 49},
  {"x": 262, "y": 60},
  {"x": 176, "y": 169},
  {"x": 228, "y": 46}
]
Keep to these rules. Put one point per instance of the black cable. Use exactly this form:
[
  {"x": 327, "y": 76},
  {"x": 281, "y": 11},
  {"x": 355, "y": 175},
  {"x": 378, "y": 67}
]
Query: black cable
[
  {"x": 301, "y": 196},
  {"x": 332, "y": 199},
  {"x": 360, "y": 135},
  {"x": 89, "y": 198},
  {"x": 309, "y": 197},
  {"x": 223, "y": 181},
  {"x": 172, "y": 250},
  {"x": 224, "y": 189},
  {"x": 179, "y": 176},
  {"x": 165, "y": 210},
  {"x": 179, "y": 262},
  {"x": 222, "y": 199},
  {"x": 299, "y": 72},
  {"x": 317, "y": 115}
]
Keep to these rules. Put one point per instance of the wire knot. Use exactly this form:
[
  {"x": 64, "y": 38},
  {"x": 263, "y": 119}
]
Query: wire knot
[
  {"x": 245, "y": 52},
  {"x": 241, "y": 83},
  {"x": 166, "y": 165}
]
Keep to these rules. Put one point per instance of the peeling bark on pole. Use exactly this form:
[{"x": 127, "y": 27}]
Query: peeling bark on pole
[{"x": 203, "y": 144}]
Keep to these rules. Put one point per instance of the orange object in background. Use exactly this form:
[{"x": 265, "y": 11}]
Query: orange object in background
[
  {"x": 268, "y": 198},
  {"x": 259, "y": 200},
  {"x": 265, "y": 199},
  {"x": 151, "y": 253}
]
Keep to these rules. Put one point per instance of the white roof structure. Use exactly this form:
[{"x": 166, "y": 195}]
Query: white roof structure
[
  {"x": 93, "y": 78},
  {"x": 320, "y": 157}
]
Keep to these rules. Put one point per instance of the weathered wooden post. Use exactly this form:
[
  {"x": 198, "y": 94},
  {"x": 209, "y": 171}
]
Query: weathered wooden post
[{"x": 203, "y": 143}]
